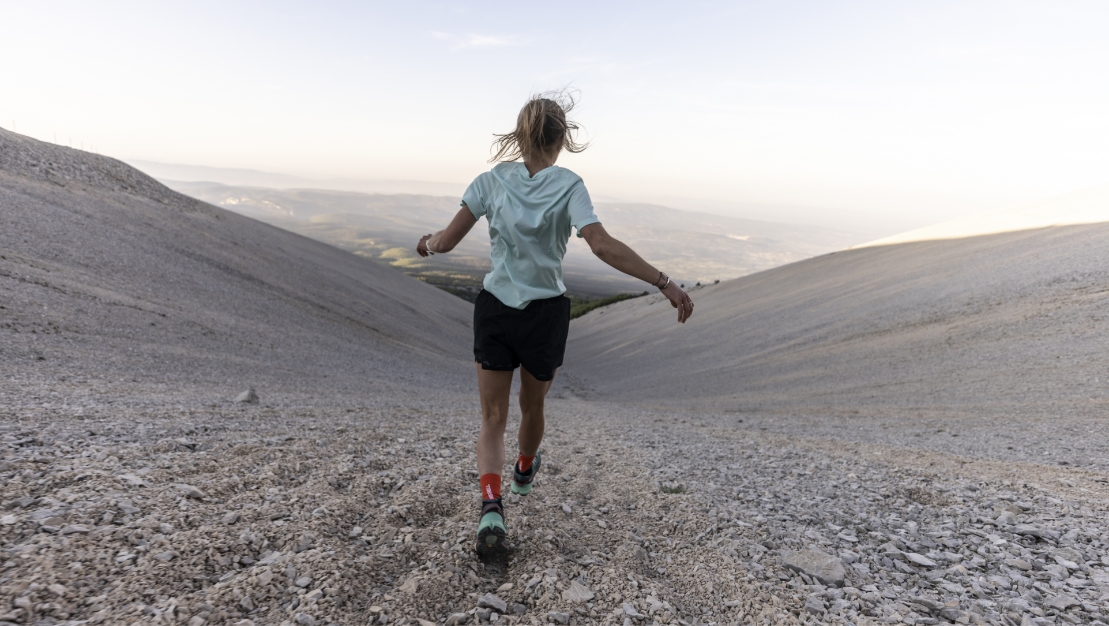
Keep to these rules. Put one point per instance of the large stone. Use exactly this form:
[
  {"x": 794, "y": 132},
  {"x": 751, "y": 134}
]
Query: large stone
[
  {"x": 248, "y": 397},
  {"x": 813, "y": 563},
  {"x": 577, "y": 593},
  {"x": 491, "y": 601}
]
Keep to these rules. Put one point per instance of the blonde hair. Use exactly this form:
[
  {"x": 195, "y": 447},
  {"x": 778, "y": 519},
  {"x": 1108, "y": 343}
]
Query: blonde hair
[{"x": 541, "y": 128}]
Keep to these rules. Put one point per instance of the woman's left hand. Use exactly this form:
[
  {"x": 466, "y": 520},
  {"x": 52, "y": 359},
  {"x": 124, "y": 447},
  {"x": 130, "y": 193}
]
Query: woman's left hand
[
  {"x": 421, "y": 247},
  {"x": 680, "y": 300}
]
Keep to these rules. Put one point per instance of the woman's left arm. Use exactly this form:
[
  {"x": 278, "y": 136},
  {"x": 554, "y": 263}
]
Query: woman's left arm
[{"x": 446, "y": 239}]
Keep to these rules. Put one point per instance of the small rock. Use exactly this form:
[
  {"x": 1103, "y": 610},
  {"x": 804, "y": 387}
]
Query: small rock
[
  {"x": 424, "y": 622},
  {"x": 248, "y": 397},
  {"x": 132, "y": 481},
  {"x": 457, "y": 619},
  {"x": 815, "y": 606},
  {"x": 80, "y": 529},
  {"x": 247, "y": 604},
  {"x": 57, "y": 590},
  {"x": 505, "y": 587},
  {"x": 190, "y": 491},
  {"x": 519, "y": 609},
  {"x": 630, "y": 610},
  {"x": 303, "y": 581},
  {"x": 558, "y": 616},
  {"x": 1006, "y": 519},
  {"x": 928, "y": 604},
  {"x": 8, "y": 520},
  {"x": 920, "y": 559},
  {"x": 491, "y": 601},
  {"x": 164, "y": 556},
  {"x": 165, "y": 529},
  {"x": 410, "y": 586},
  {"x": 823, "y": 567},
  {"x": 1030, "y": 530},
  {"x": 1020, "y": 564},
  {"x": 566, "y": 509},
  {"x": 355, "y": 532},
  {"x": 231, "y": 517},
  {"x": 304, "y": 619},
  {"x": 483, "y": 615},
  {"x": 1061, "y": 602},
  {"x": 954, "y": 615},
  {"x": 577, "y": 593}
]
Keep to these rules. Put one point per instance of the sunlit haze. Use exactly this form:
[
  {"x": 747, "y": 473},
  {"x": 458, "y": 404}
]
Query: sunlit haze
[{"x": 873, "y": 116}]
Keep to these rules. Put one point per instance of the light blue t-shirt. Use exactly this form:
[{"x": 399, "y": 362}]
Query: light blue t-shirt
[{"x": 529, "y": 225}]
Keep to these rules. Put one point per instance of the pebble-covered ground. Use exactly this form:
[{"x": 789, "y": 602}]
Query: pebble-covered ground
[{"x": 266, "y": 514}]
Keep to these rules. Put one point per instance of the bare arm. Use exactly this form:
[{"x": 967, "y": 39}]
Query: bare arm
[
  {"x": 617, "y": 254},
  {"x": 446, "y": 239}
]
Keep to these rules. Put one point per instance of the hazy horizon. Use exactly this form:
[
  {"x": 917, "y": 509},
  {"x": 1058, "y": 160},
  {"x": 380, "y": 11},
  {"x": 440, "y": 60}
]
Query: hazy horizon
[{"x": 868, "y": 116}]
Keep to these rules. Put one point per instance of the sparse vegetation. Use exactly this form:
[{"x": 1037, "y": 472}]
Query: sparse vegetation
[{"x": 581, "y": 307}]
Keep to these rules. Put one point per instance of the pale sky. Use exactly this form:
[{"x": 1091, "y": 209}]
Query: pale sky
[{"x": 899, "y": 114}]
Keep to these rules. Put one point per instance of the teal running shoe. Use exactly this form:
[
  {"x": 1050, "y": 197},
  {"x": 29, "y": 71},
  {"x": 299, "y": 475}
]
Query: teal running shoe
[
  {"x": 491, "y": 530},
  {"x": 521, "y": 481}
]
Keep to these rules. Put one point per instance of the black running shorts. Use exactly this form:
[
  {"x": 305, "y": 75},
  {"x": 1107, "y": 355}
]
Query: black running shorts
[{"x": 534, "y": 336}]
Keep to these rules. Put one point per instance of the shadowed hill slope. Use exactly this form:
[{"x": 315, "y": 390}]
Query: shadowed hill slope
[
  {"x": 107, "y": 276},
  {"x": 1000, "y": 324}
]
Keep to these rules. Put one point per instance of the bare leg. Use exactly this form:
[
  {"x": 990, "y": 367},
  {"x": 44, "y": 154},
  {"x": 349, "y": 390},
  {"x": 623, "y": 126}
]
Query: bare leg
[
  {"x": 532, "y": 394},
  {"x": 494, "y": 388}
]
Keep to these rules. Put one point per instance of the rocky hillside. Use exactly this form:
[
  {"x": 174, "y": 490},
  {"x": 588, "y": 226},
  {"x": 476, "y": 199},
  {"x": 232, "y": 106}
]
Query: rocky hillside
[
  {"x": 994, "y": 325},
  {"x": 107, "y": 276}
]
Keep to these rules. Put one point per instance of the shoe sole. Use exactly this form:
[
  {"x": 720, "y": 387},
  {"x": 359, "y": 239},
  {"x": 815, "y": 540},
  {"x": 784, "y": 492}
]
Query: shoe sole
[
  {"x": 491, "y": 536},
  {"x": 491, "y": 543}
]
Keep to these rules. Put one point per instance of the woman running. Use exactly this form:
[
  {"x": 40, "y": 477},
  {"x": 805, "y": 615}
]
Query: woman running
[{"x": 521, "y": 317}]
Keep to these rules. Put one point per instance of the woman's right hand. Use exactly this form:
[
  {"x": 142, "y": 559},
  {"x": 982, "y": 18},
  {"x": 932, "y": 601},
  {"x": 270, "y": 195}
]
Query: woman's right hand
[
  {"x": 421, "y": 247},
  {"x": 680, "y": 300}
]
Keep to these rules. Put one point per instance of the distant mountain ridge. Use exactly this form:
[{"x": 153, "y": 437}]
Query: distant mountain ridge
[{"x": 691, "y": 246}]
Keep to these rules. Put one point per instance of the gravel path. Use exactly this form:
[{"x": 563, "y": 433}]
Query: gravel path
[{"x": 300, "y": 515}]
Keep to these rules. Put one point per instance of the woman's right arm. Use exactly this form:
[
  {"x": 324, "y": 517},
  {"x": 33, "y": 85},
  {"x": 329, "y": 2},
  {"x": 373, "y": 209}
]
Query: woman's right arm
[
  {"x": 617, "y": 254},
  {"x": 446, "y": 239}
]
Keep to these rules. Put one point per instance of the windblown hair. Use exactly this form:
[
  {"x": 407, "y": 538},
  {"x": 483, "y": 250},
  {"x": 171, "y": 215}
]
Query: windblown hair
[{"x": 541, "y": 128}]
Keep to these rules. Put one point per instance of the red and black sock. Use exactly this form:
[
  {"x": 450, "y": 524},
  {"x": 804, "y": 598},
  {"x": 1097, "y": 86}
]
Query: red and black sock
[
  {"x": 524, "y": 463},
  {"x": 490, "y": 486}
]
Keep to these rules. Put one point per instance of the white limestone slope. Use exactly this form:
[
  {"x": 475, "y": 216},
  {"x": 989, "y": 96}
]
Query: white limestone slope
[
  {"x": 990, "y": 325},
  {"x": 107, "y": 276}
]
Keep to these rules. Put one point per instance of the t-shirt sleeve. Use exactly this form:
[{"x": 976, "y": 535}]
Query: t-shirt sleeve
[
  {"x": 581, "y": 208},
  {"x": 474, "y": 197}
]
